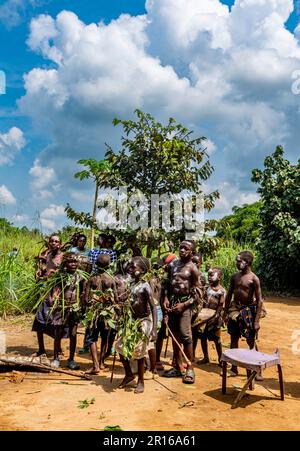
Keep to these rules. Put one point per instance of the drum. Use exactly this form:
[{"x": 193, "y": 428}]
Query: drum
[{"x": 203, "y": 316}]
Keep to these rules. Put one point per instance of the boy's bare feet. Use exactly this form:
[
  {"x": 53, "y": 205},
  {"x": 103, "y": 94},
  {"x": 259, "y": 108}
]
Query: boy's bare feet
[
  {"x": 140, "y": 387},
  {"x": 126, "y": 381},
  {"x": 93, "y": 371},
  {"x": 103, "y": 366}
]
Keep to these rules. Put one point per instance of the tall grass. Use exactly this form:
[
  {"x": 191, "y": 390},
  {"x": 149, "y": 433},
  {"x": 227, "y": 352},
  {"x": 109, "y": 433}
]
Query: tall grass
[
  {"x": 16, "y": 272},
  {"x": 225, "y": 259}
]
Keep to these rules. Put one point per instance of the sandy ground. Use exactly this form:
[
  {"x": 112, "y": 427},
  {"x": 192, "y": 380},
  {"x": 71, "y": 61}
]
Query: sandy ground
[{"x": 50, "y": 401}]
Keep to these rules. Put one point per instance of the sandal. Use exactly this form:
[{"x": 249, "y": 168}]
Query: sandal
[
  {"x": 189, "y": 377},
  {"x": 173, "y": 372},
  {"x": 72, "y": 365},
  {"x": 159, "y": 366}
]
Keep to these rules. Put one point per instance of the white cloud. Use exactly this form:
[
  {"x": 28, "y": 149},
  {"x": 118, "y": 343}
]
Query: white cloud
[
  {"x": 49, "y": 224},
  {"x": 44, "y": 181},
  {"x": 53, "y": 211},
  {"x": 82, "y": 197},
  {"x": 53, "y": 216},
  {"x": 223, "y": 74},
  {"x": 210, "y": 146},
  {"x": 11, "y": 143},
  {"x": 20, "y": 218},
  {"x": 6, "y": 197},
  {"x": 12, "y": 12},
  {"x": 231, "y": 195}
]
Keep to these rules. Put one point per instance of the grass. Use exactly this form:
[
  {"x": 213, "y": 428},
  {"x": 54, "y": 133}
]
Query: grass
[
  {"x": 225, "y": 259},
  {"x": 17, "y": 273}
]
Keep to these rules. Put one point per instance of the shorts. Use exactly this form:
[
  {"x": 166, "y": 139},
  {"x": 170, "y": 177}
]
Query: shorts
[
  {"x": 213, "y": 334},
  {"x": 181, "y": 326},
  {"x": 92, "y": 333}
]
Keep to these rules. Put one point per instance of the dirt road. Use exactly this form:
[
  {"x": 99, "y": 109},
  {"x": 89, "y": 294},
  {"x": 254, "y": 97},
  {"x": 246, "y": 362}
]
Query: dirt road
[{"x": 51, "y": 401}]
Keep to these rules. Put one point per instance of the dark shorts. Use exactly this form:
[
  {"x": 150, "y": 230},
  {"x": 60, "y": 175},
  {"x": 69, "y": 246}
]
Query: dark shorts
[
  {"x": 235, "y": 332},
  {"x": 213, "y": 334},
  {"x": 92, "y": 333},
  {"x": 181, "y": 326},
  {"x": 70, "y": 328},
  {"x": 43, "y": 321}
]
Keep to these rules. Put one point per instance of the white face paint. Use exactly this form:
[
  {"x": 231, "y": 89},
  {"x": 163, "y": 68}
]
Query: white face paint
[
  {"x": 213, "y": 276},
  {"x": 240, "y": 263}
]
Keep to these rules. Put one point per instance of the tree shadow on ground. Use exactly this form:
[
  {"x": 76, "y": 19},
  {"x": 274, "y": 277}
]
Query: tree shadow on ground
[
  {"x": 110, "y": 387},
  {"x": 291, "y": 301},
  {"x": 27, "y": 350},
  {"x": 291, "y": 389}
]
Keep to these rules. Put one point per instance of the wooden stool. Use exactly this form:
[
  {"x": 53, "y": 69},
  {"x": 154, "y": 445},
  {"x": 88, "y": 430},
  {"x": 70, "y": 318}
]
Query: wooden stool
[{"x": 254, "y": 362}]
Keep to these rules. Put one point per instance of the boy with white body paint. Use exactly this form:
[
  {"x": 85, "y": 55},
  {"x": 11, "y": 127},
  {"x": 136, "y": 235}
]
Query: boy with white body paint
[
  {"x": 244, "y": 312},
  {"x": 211, "y": 330}
]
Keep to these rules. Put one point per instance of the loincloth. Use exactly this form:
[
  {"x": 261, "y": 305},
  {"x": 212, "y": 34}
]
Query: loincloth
[
  {"x": 242, "y": 319},
  {"x": 142, "y": 347}
]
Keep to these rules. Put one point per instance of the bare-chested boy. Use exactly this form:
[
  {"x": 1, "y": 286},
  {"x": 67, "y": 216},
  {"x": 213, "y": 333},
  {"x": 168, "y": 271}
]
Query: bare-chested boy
[
  {"x": 66, "y": 302},
  {"x": 244, "y": 312},
  {"x": 43, "y": 323},
  {"x": 102, "y": 282},
  {"x": 215, "y": 297},
  {"x": 178, "y": 301},
  {"x": 143, "y": 308}
]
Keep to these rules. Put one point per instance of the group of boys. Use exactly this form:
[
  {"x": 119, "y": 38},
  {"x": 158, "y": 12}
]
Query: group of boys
[{"x": 172, "y": 304}]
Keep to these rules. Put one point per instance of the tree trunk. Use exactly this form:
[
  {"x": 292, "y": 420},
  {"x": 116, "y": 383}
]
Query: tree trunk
[
  {"x": 158, "y": 253},
  {"x": 149, "y": 249},
  {"x": 94, "y": 215}
]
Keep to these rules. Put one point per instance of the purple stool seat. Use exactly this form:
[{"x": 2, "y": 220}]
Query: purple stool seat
[
  {"x": 254, "y": 362},
  {"x": 250, "y": 359}
]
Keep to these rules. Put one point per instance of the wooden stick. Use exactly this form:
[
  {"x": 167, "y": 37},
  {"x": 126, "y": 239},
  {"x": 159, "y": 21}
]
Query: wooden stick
[
  {"x": 181, "y": 350},
  {"x": 243, "y": 391},
  {"x": 43, "y": 366},
  {"x": 165, "y": 355},
  {"x": 113, "y": 367},
  {"x": 160, "y": 383}
]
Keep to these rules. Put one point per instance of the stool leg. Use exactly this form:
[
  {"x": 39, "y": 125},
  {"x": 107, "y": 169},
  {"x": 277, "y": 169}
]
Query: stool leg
[
  {"x": 281, "y": 384},
  {"x": 243, "y": 391},
  {"x": 224, "y": 376},
  {"x": 251, "y": 385}
]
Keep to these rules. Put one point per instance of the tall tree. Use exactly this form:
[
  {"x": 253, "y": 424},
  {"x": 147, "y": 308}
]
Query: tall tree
[
  {"x": 279, "y": 244},
  {"x": 157, "y": 159},
  {"x": 242, "y": 225},
  {"x": 97, "y": 171}
]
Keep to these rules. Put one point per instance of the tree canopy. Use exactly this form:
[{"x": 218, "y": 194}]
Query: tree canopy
[
  {"x": 242, "y": 225},
  {"x": 279, "y": 244},
  {"x": 153, "y": 159}
]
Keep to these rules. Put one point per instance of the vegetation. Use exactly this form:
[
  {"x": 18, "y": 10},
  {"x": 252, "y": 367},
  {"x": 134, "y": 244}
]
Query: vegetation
[
  {"x": 242, "y": 225},
  {"x": 154, "y": 159},
  {"x": 279, "y": 243},
  {"x": 16, "y": 271}
]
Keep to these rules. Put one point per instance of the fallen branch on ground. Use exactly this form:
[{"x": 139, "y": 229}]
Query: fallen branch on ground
[{"x": 22, "y": 361}]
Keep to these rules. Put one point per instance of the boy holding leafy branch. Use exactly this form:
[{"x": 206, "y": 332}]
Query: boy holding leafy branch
[
  {"x": 65, "y": 299},
  {"x": 101, "y": 299},
  {"x": 138, "y": 323}
]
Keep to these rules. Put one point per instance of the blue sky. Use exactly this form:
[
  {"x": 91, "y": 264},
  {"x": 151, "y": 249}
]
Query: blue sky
[{"x": 224, "y": 73}]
